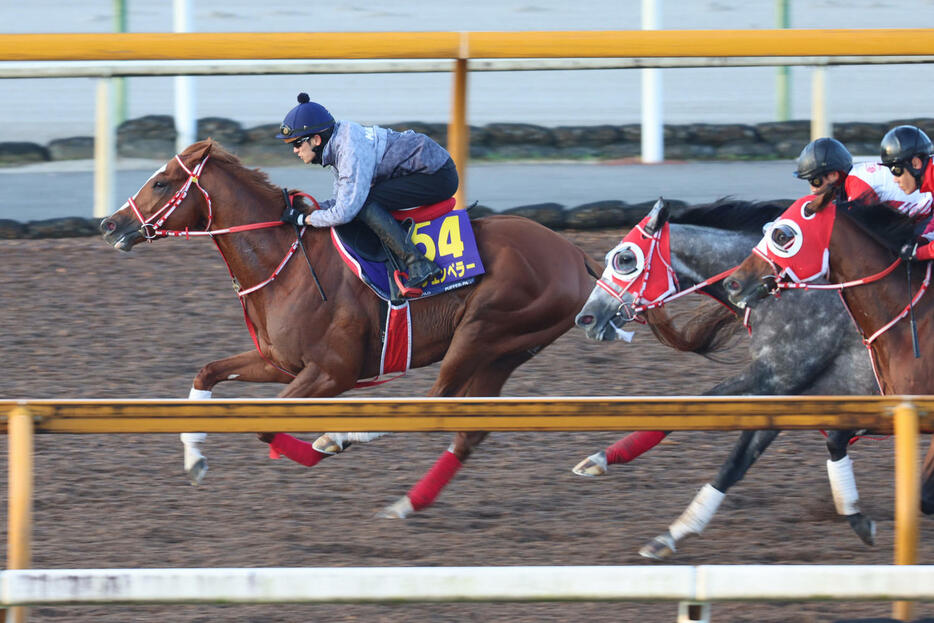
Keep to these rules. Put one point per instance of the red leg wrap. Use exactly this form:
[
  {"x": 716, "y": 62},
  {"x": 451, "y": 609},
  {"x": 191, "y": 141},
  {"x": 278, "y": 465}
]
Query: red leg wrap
[
  {"x": 632, "y": 445},
  {"x": 423, "y": 494},
  {"x": 296, "y": 449}
]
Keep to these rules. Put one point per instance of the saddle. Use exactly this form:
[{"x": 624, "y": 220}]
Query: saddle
[{"x": 445, "y": 234}]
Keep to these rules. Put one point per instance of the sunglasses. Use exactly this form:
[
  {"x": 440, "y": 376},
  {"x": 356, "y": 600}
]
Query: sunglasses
[
  {"x": 299, "y": 142},
  {"x": 897, "y": 169}
]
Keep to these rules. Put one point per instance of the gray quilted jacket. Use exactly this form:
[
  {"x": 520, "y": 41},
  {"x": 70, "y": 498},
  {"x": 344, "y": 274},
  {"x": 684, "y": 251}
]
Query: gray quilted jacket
[{"x": 361, "y": 156}]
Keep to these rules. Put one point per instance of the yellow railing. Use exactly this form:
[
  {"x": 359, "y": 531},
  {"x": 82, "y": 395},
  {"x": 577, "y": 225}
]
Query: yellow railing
[
  {"x": 461, "y": 46},
  {"x": 529, "y": 44},
  {"x": 890, "y": 414}
]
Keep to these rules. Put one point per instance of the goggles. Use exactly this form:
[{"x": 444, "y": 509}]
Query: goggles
[
  {"x": 897, "y": 168},
  {"x": 299, "y": 142}
]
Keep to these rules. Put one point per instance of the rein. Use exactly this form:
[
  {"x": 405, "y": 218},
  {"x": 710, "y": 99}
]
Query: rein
[
  {"x": 908, "y": 309},
  {"x": 632, "y": 311},
  {"x": 151, "y": 228}
]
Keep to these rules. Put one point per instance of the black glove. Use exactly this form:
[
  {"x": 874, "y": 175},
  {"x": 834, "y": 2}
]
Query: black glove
[
  {"x": 294, "y": 216},
  {"x": 908, "y": 250}
]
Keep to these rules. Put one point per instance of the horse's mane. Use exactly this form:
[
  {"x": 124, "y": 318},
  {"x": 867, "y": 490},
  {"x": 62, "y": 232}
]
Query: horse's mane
[
  {"x": 732, "y": 214},
  {"x": 888, "y": 227},
  {"x": 251, "y": 177}
]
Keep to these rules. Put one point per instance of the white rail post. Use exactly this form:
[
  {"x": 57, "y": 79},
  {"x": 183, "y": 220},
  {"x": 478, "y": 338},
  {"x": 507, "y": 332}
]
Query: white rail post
[
  {"x": 104, "y": 149},
  {"x": 653, "y": 137},
  {"x": 185, "y": 122},
  {"x": 820, "y": 126}
]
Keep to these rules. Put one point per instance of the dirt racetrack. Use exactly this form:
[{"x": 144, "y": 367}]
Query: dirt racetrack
[{"x": 81, "y": 320}]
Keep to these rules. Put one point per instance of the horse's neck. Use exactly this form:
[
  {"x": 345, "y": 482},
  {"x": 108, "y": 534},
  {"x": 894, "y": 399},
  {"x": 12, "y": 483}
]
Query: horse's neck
[
  {"x": 252, "y": 256},
  {"x": 854, "y": 255},
  {"x": 698, "y": 253}
]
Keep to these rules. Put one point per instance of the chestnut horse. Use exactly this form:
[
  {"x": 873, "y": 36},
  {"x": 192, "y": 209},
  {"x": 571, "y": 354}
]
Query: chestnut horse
[
  {"x": 535, "y": 281},
  {"x": 854, "y": 241}
]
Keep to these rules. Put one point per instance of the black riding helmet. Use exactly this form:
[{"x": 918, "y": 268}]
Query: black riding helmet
[
  {"x": 903, "y": 142},
  {"x": 822, "y": 156}
]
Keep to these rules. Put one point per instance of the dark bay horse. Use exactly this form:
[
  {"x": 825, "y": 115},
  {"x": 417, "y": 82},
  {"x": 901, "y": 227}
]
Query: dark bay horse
[
  {"x": 857, "y": 241},
  {"x": 802, "y": 347},
  {"x": 535, "y": 282}
]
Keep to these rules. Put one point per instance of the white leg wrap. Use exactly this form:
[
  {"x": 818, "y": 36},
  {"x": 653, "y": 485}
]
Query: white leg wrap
[
  {"x": 342, "y": 438},
  {"x": 843, "y": 485},
  {"x": 195, "y": 464},
  {"x": 696, "y": 516},
  {"x": 193, "y": 438},
  {"x": 362, "y": 437}
]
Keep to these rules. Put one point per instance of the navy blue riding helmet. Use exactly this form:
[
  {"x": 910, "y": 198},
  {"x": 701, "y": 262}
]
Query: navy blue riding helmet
[
  {"x": 822, "y": 156},
  {"x": 306, "y": 119},
  {"x": 901, "y": 144}
]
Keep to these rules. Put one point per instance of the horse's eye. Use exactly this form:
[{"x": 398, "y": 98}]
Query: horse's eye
[
  {"x": 159, "y": 184},
  {"x": 624, "y": 261},
  {"x": 782, "y": 235}
]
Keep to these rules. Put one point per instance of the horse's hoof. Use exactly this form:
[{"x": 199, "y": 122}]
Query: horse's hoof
[
  {"x": 864, "y": 527},
  {"x": 197, "y": 471},
  {"x": 400, "y": 509},
  {"x": 593, "y": 465},
  {"x": 659, "y": 548},
  {"x": 326, "y": 445}
]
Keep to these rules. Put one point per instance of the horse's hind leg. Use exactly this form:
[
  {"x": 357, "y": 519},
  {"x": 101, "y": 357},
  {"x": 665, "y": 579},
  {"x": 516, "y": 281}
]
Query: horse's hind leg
[
  {"x": 335, "y": 443},
  {"x": 486, "y": 382},
  {"x": 626, "y": 449},
  {"x": 694, "y": 519},
  {"x": 843, "y": 485}
]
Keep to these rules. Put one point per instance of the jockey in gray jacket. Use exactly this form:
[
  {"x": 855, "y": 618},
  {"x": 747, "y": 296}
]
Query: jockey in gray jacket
[{"x": 377, "y": 170}]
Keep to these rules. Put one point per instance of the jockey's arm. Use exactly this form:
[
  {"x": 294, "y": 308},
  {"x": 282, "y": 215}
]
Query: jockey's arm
[{"x": 355, "y": 164}]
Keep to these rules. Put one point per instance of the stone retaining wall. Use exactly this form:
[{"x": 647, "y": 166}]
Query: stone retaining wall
[
  {"x": 154, "y": 137},
  {"x": 596, "y": 215}
]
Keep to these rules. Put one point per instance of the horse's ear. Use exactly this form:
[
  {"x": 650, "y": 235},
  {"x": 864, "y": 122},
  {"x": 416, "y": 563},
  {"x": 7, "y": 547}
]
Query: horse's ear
[
  {"x": 658, "y": 216},
  {"x": 196, "y": 152}
]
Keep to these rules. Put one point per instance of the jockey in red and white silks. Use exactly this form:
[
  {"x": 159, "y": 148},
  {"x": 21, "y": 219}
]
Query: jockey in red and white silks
[{"x": 872, "y": 181}]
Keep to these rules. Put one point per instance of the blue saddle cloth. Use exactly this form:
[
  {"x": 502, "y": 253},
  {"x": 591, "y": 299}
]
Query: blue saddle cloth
[{"x": 455, "y": 251}]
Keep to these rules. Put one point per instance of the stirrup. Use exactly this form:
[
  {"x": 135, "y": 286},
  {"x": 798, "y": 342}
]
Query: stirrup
[{"x": 407, "y": 291}]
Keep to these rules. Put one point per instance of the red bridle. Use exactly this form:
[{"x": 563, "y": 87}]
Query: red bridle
[
  {"x": 658, "y": 247},
  {"x": 151, "y": 228}
]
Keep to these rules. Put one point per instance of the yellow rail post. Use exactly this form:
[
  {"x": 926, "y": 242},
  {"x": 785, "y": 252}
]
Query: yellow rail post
[
  {"x": 458, "y": 130},
  {"x": 19, "y": 520},
  {"x": 907, "y": 496}
]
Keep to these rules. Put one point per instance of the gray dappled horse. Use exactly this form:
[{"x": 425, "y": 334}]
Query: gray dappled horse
[{"x": 805, "y": 346}]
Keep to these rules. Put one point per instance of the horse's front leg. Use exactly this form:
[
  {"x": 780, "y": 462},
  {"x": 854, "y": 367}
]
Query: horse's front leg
[
  {"x": 249, "y": 367},
  {"x": 312, "y": 382}
]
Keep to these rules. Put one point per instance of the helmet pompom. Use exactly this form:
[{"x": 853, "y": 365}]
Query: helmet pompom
[{"x": 303, "y": 98}]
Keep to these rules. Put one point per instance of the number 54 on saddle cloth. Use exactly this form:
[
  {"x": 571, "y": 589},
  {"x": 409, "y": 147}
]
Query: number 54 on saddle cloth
[{"x": 445, "y": 236}]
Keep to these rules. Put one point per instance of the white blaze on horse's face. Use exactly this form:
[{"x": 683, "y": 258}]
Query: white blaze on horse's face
[{"x": 126, "y": 204}]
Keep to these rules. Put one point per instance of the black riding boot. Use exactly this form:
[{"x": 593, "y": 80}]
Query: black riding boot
[{"x": 418, "y": 267}]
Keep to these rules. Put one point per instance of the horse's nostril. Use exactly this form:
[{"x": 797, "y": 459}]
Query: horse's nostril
[
  {"x": 581, "y": 320},
  {"x": 732, "y": 286}
]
